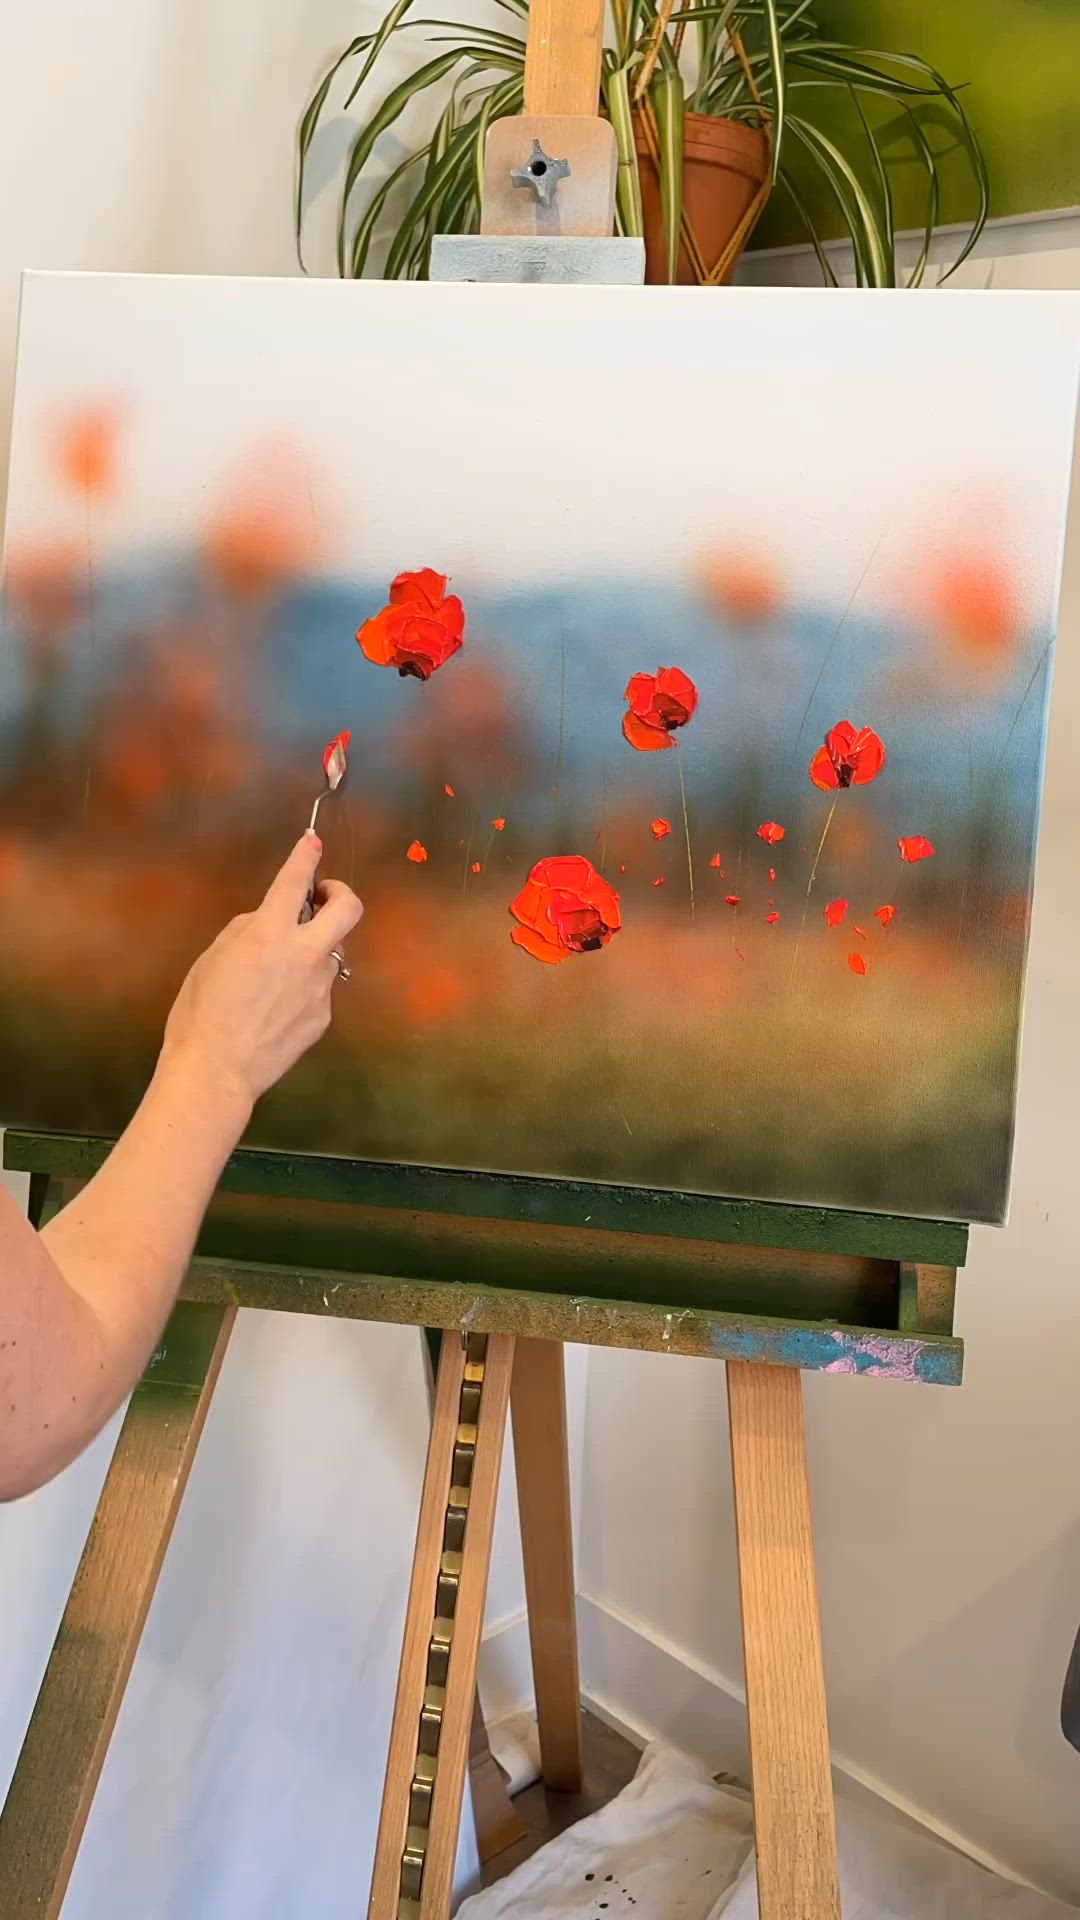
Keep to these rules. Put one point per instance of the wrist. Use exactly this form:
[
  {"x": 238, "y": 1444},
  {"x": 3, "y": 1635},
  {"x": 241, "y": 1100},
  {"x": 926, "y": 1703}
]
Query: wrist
[{"x": 195, "y": 1076}]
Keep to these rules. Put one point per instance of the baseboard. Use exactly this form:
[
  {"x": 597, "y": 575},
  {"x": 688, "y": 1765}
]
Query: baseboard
[
  {"x": 650, "y": 1689},
  {"x": 504, "y": 1669}
]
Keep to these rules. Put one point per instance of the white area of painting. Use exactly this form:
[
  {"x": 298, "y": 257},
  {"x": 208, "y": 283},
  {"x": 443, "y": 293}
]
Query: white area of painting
[
  {"x": 645, "y": 492},
  {"x": 948, "y": 1523}
]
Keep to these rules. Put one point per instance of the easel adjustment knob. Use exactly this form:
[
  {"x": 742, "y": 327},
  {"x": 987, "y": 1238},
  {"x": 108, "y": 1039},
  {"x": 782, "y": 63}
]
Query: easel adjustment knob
[{"x": 541, "y": 174}]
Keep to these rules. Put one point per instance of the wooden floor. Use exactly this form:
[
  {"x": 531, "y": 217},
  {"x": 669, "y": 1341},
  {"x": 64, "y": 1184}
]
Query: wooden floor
[{"x": 610, "y": 1764}]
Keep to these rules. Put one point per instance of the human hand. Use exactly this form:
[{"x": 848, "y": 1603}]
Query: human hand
[{"x": 261, "y": 995}]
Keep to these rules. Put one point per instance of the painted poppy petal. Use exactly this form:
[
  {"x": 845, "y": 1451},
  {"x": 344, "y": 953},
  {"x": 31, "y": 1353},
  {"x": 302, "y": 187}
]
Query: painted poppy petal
[
  {"x": 661, "y": 829},
  {"x": 540, "y": 949},
  {"x": 529, "y": 904},
  {"x": 822, "y": 771},
  {"x": 416, "y": 852},
  {"x": 771, "y": 919},
  {"x": 640, "y": 691},
  {"x": 885, "y": 914},
  {"x": 916, "y": 846},
  {"x": 835, "y": 912},
  {"x": 424, "y": 588},
  {"x": 857, "y": 962},
  {"x": 673, "y": 683},
  {"x": 771, "y": 832},
  {"x": 715, "y": 861},
  {"x": 645, "y": 739},
  {"x": 451, "y": 617},
  {"x": 377, "y": 637},
  {"x": 869, "y": 756}
]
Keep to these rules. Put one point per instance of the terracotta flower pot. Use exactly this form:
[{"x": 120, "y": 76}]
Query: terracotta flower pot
[{"x": 725, "y": 166}]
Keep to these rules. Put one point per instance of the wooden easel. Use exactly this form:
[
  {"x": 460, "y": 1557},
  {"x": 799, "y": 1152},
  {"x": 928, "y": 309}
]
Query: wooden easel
[
  {"x": 509, "y": 1268},
  {"x": 769, "y": 1289}
]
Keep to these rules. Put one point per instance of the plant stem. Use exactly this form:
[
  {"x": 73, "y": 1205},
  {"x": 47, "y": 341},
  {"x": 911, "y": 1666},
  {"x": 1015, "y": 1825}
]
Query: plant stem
[
  {"x": 809, "y": 889},
  {"x": 686, "y": 831}
]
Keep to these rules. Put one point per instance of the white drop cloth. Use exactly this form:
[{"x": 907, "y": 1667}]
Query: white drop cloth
[
  {"x": 673, "y": 1844},
  {"x": 515, "y": 1745},
  {"x": 666, "y": 1846}
]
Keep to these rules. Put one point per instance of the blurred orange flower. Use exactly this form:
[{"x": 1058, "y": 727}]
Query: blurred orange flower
[
  {"x": 975, "y": 601},
  {"x": 46, "y": 582},
  {"x": 87, "y": 453},
  {"x": 416, "y": 852},
  {"x": 742, "y": 586}
]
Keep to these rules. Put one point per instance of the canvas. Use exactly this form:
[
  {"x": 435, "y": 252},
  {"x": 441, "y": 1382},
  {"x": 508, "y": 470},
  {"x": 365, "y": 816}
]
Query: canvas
[{"x": 697, "y": 713}]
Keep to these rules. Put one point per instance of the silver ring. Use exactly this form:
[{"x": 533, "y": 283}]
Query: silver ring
[{"x": 343, "y": 972}]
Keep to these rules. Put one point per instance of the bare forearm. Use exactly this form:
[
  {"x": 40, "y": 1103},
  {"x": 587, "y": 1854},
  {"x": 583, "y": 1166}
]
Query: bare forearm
[
  {"x": 123, "y": 1244},
  {"x": 88, "y": 1297}
]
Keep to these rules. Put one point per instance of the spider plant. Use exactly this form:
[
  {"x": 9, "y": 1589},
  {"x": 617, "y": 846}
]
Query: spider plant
[{"x": 768, "y": 63}]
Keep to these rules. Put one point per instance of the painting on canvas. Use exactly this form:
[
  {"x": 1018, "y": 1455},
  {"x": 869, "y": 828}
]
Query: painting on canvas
[{"x": 695, "y": 658}]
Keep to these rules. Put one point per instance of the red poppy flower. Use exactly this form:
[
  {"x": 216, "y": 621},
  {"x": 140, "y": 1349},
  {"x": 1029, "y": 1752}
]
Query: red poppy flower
[
  {"x": 715, "y": 861},
  {"x": 731, "y": 899},
  {"x": 857, "y": 962},
  {"x": 770, "y": 831},
  {"x": 334, "y": 761},
  {"x": 419, "y": 630},
  {"x": 659, "y": 881},
  {"x": 772, "y": 873},
  {"x": 771, "y": 919},
  {"x": 659, "y": 702},
  {"x": 448, "y": 790},
  {"x": 476, "y": 866},
  {"x": 564, "y": 907},
  {"x": 835, "y": 912},
  {"x": 851, "y": 757},
  {"x": 885, "y": 914},
  {"x": 499, "y": 824},
  {"x": 661, "y": 829},
  {"x": 916, "y": 846},
  {"x": 416, "y": 851}
]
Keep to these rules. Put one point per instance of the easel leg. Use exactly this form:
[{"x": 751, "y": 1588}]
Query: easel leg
[
  {"x": 416, "y": 1851},
  {"x": 68, "y": 1736},
  {"x": 794, "y": 1819},
  {"x": 538, "y": 1408}
]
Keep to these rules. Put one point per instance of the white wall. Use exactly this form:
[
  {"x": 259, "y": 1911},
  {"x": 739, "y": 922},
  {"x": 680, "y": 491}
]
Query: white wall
[
  {"x": 150, "y": 135},
  {"x": 948, "y": 1522}
]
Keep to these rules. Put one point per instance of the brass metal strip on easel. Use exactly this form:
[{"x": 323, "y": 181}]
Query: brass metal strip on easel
[{"x": 429, "y": 1731}]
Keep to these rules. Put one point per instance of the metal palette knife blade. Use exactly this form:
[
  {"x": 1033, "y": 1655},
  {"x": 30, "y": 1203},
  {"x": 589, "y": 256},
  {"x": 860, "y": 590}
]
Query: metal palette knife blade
[{"x": 335, "y": 767}]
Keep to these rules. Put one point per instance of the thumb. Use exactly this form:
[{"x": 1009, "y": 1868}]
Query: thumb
[{"x": 290, "y": 887}]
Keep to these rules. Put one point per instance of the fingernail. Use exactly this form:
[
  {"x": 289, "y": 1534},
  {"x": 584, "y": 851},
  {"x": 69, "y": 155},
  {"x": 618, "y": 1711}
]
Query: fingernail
[{"x": 313, "y": 837}]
